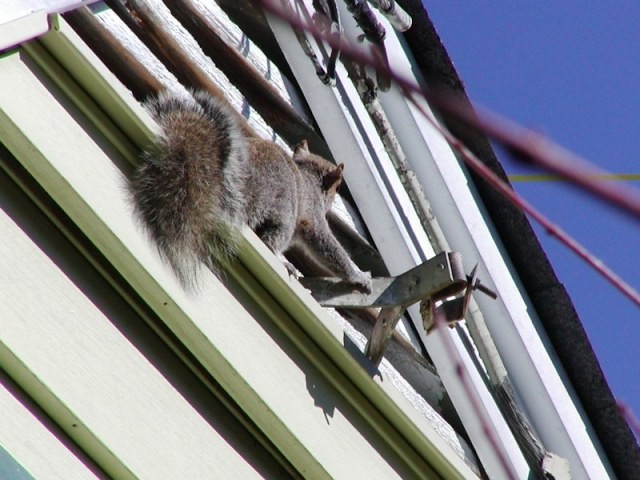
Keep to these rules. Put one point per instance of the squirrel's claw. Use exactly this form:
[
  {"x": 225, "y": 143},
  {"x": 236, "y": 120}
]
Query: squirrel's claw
[
  {"x": 363, "y": 281},
  {"x": 291, "y": 270}
]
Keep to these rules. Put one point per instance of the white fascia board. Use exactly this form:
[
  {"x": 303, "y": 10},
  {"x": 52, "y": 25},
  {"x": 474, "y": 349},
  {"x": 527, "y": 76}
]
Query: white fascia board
[
  {"x": 385, "y": 207},
  {"x": 540, "y": 383},
  {"x": 15, "y": 9},
  {"x": 237, "y": 355},
  {"x": 22, "y": 20},
  {"x": 16, "y": 30}
]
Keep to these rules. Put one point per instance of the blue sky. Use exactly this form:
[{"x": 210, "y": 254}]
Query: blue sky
[{"x": 572, "y": 73}]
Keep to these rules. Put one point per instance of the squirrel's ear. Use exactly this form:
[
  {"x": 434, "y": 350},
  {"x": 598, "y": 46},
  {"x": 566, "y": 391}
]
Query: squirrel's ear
[
  {"x": 302, "y": 147},
  {"x": 333, "y": 177}
]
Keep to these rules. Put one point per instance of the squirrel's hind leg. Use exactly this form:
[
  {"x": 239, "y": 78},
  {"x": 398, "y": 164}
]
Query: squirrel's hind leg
[
  {"x": 275, "y": 235},
  {"x": 278, "y": 238}
]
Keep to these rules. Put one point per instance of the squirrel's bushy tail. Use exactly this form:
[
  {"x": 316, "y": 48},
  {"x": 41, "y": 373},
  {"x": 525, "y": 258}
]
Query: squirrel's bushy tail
[{"x": 189, "y": 188}]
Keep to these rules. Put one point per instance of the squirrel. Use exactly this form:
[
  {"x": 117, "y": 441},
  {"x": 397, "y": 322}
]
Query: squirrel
[{"x": 203, "y": 178}]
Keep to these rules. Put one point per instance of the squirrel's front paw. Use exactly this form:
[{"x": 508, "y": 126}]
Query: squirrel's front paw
[{"x": 363, "y": 281}]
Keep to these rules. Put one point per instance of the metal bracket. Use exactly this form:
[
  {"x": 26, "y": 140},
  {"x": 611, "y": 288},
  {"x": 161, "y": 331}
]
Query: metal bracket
[{"x": 439, "y": 283}]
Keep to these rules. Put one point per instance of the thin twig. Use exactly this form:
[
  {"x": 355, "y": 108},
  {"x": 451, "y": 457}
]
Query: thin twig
[
  {"x": 554, "y": 230},
  {"x": 532, "y": 147},
  {"x": 632, "y": 420},
  {"x": 524, "y": 143},
  {"x": 520, "y": 141},
  {"x": 461, "y": 373}
]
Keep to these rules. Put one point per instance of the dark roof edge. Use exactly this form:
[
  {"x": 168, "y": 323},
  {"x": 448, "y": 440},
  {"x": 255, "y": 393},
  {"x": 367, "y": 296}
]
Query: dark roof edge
[{"x": 548, "y": 295}]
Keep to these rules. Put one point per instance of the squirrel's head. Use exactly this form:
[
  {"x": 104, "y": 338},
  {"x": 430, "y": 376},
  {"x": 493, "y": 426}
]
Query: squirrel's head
[{"x": 328, "y": 174}]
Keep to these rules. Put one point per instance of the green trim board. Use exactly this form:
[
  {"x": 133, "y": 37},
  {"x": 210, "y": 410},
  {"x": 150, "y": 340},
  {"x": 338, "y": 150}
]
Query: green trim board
[{"x": 104, "y": 89}]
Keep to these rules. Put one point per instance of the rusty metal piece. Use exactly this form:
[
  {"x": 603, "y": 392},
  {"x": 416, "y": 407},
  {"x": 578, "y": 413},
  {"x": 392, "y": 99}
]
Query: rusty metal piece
[
  {"x": 435, "y": 276},
  {"x": 381, "y": 334},
  {"x": 129, "y": 70},
  {"x": 440, "y": 284},
  {"x": 453, "y": 310}
]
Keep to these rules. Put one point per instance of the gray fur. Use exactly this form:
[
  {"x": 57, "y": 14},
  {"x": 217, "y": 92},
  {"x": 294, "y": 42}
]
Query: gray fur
[{"x": 202, "y": 179}]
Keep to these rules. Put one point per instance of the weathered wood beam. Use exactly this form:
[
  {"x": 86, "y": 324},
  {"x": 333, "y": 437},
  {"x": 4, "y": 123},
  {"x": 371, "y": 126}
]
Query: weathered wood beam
[
  {"x": 276, "y": 110},
  {"x": 129, "y": 70},
  {"x": 146, "y": 24}
]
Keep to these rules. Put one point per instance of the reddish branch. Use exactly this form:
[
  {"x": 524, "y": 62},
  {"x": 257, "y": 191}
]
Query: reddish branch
[
  {"x": 633, "y": 422},
  {"x": 525, "y": 144},
  {"x": 554, "y": 230},
  {"x": 522, "y": 143},
  {"x": 440, "y": 324},
  {"x": 532, "y": 147}
]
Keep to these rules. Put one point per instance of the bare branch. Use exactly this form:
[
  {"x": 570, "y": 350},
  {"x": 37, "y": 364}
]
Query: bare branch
[{"x": 521, "y": 142}]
